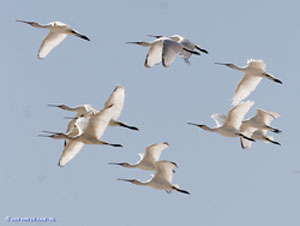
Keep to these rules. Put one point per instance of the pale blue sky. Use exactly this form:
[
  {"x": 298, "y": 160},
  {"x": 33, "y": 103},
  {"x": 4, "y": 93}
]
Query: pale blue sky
[{"x": 229, "y": 186}]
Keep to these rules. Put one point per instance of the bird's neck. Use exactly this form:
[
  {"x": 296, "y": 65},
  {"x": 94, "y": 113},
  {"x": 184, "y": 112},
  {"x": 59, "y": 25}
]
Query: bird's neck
[
  {"x": 243, "y": 69},
  {"x": 141, "y": 183},
  {"x": 43, "y": 26},
  {"x": 208, "y": 128},
  {"x": 128, "y": 165}
]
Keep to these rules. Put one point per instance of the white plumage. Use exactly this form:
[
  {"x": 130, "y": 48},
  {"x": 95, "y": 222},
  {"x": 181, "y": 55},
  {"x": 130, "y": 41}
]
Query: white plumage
[
  {"x": 230, "y": 125},
  {"x": 257, "y": 127},
  {"x": 90, "y": 129},
  {"x": 58, "y": 31},
  {"x": 254, "y": 72},
  {"x": 147, "y": 160},
  {"x": 162, "y": 178},
  {"x": 163, "y": 49}
]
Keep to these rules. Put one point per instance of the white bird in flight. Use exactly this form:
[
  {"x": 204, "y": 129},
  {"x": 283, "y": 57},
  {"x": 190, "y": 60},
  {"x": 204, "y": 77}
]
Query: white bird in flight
[
  {"x": 90, "y": 130},
  {"x": 229, "y": 125},
  {"x": 147, "y": 161},
  {"x": 254, "y": 72},
  {"x": 58, "y": 32},
  {"x": 257, "y": 127},
  {"x": 116, "y": 98},
  {"x": 162, "y": 50},
  {"x": 186, "y": 43},
  {"x": 162, "y": 178}
]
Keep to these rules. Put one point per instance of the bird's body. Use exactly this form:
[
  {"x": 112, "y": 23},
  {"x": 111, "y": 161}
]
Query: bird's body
[
  {"x": 187, "y": 44},
  {"x": 162, "y": 49},
  {"x": 254, "y": 72},
  {"x": 58, "y": 31},
  {"x": 257, "y": 127},
  {"x": 89, "y": 131},
  {"x": 162, "y": 179},
  {"x": 147, "y": 160},
  {"x": 229, "y": 125}
]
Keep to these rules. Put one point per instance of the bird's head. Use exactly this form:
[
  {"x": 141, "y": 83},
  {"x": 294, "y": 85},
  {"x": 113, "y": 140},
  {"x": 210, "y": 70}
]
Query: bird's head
[
  {"x": 156, "y": 36},
  {"x": 204, "y": 127},
  {"x": 53, "y": 135},
  {"x": 199, "y": 125},
  {"x": 124, "y": 164},
  {"x": 226, "y": 64},
  {"x": 62, "y": 106}
]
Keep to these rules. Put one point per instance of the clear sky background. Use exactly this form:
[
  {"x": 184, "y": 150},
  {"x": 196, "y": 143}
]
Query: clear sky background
[{"x": 229, "y": 186}]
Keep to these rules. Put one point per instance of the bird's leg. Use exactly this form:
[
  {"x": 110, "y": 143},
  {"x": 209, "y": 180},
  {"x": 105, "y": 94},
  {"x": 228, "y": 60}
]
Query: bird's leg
[
  {"x": 125, "y": 126},
  {"x": 274, "y": 130},
  {"x": 79, "y": 35},
  {"x": 182, "y": 191},
  {"x": 168, "y": 191},
  {"x": 273, "y": 142},
  {"x": 113, "y": 145},
  {"x": 191, "y": 51},
  {"x": 268, "y": 76},
  {"x": 247, "y": 138}
]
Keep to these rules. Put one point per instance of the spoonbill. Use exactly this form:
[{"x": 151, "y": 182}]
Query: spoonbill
[
  {"x": 162, "y": 178},
  {"x": 229, "y": 125},
  {"x": 162, "y": 49},
  {"x": 254, "y": 72},
  {"x": 257, "y": 127},
  {"x": 90, "y": 130},
  {"x": 147, "y": 161},
  {"x": 116, "y": 98},
  {"x": 58, "y": 31},
  {"x": 186, "y": 43}
]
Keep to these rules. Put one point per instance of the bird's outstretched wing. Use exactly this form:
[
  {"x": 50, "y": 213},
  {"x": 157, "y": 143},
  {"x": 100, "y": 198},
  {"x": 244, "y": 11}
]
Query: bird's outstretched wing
[
  {"x": 245, "y": 87},
  {"x": 71, "y": 149},
  {"x": 236, "y": 114},
  {"x": 153, "y": 152},
  {"x": 187, "y": 44},
  {"x": 169, "y": 51},
  {"x": 116, "y": 98},
  {"x": 246, "y": 130},
  {"x": 99, "y": 122},
  {"x": 219, "y": 119},
  {"x": 164, "y": 170},
  {"x": 50, "y": 42},
  {"x": 154, "y": 55},
  {"x": 264, "y": 117}
]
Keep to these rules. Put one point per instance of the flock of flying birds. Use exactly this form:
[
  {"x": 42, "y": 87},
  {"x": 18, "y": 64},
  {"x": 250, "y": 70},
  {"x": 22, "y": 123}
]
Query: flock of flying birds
[{"x": 89, "y": 124}]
